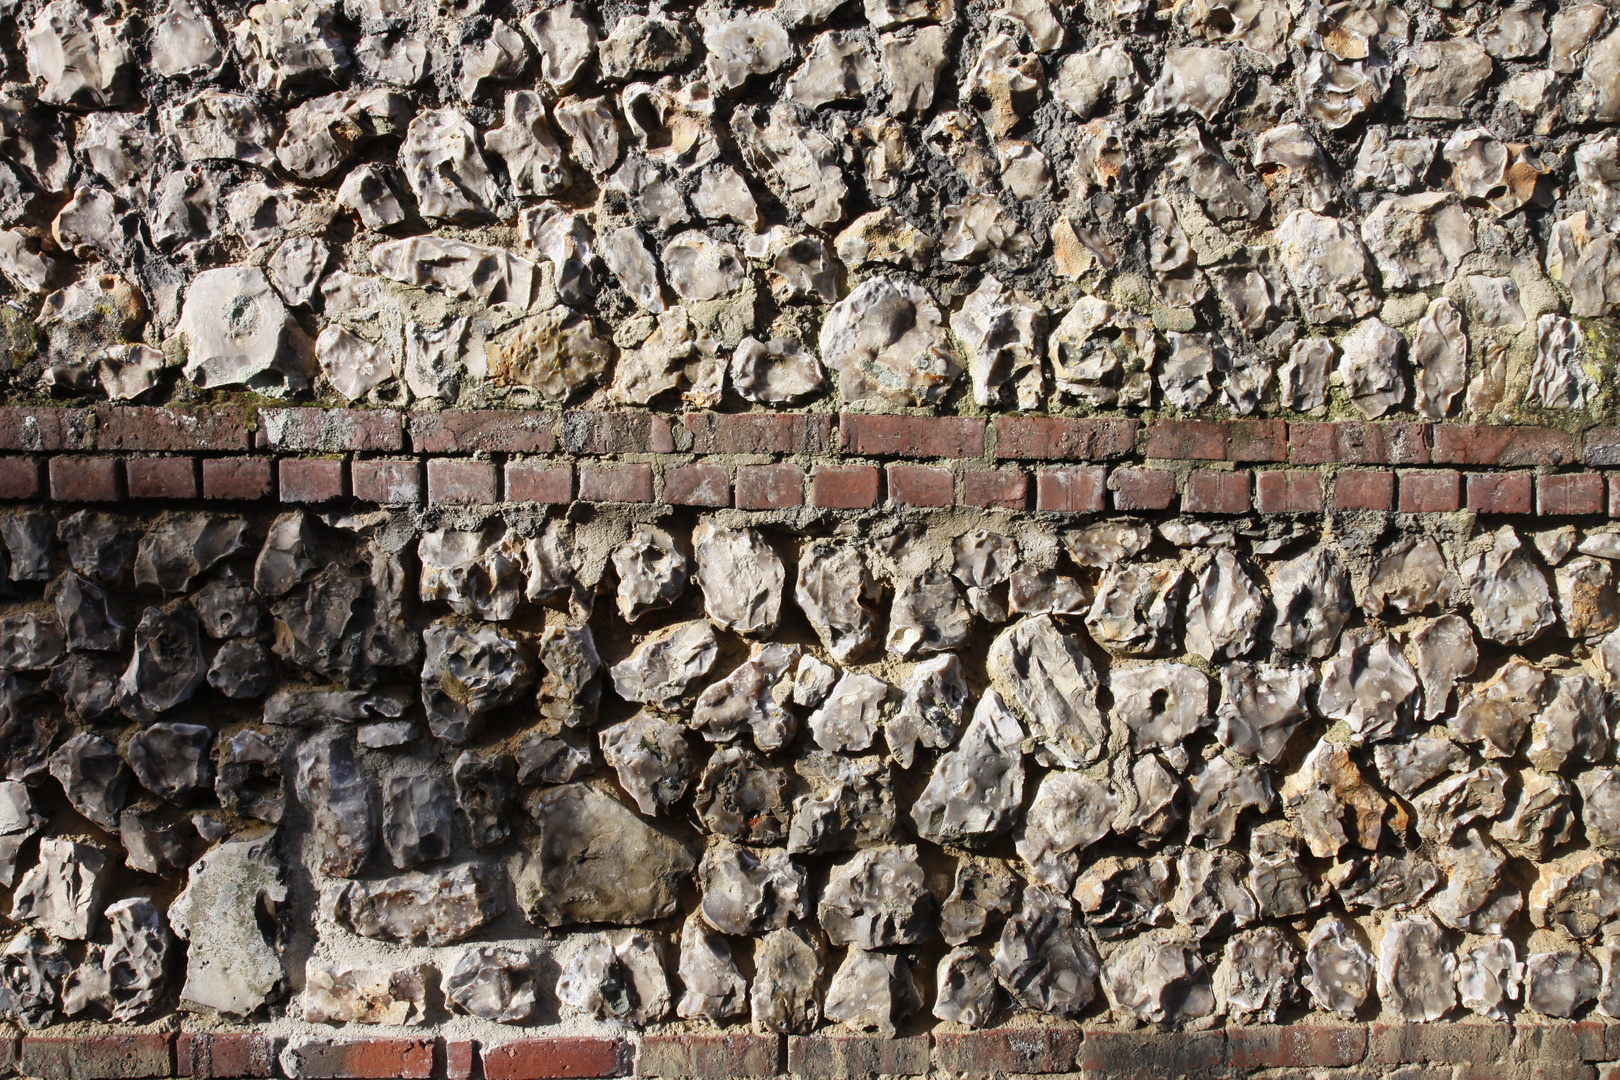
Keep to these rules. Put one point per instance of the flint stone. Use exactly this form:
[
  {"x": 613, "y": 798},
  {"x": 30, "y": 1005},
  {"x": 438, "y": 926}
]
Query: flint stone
[
  {"x": 742, "y": 799},
  {"x": 86, "y": 623},
  {"x": 746, "y": 700},
  {"x": 887, "y": 342},
  {"x": 619, "y": 976},
  {"x": 1497, "y": 713},
  {"x": 594, "y": 860},
  {"x": 1069, "y": 813},
  {"x": 849, "y": 718},
  {"x": 872, "y": 992},
  {"x": 1045, "y": 675},
  {"x": 337, "y": 795},
  {"x": 435, "y": 908},
  {"x": 415, "y": 820},
  {"x": 876, "y": 899},
  {"x": 651, "y": 570},
  {"x": 62, "y": 894},
  {"x": 1578, "y": 896},
  {"x": 228, "y": 913},
  {"x": 1488, "y": 976},
  {"x": 491, "y": 983},
  {"x": 981, "y": 896},
  {"x": 1369, "y": 686},
  {"x": 1045, "y": 959},
  {"x": 967, "y": 989},
  {"x": 337, "y": 993},
  {"x": 249, "y": 781},
  {"x": 850, "y": 805},
  {"x": 652, "y": 759},
  {"x": 1415, "y": 970},
  {"x": 479, "y": 574},
  {"x": 1162, "y": 983},
  {"x": 150, "y": 847},
  {"x": 1341, "y": 969},
  {"x": 932, "y": 710},
  {"x": 485, "y": 786},
  {"x": 466, "y": 674},
  {"x": 571, "y": 689},
  {"x": 1277, "y": 880},
  {"x": 1261, "y": 706},
  {"x": 1406, "y": 766},
  {"x": 1311, "y": 594},
  {"x": 1220, "y": 794},
  {"x": 1224, "y": 609},
  {"x": 177, "y": 549},
  {"x": 171, "y": 760},
  {"x": 928, "y": 616},
  {"x": 976, "y": 789},
  {"x": 1120, "y": 895},
  {"x": 1161, "y": 704},
  {"x": 1445, "y": 652},
  {"x": 226, "y": 609},
  {"x": 837, "y": 594},
  {"x": 785, "y": 997},
  {"x": 1210, "y": 895},
  {"x": 741, "y": 578},
  {"x": 93, "y": 777},
  {"x": 664, "y": 663},
  {"x": 715, "y": 989},
  {"x": 748, "y": 893}
]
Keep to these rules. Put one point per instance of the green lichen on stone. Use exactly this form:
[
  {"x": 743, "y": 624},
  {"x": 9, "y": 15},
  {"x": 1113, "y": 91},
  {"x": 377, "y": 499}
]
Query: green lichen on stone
[{"x": 19, "y": 338}]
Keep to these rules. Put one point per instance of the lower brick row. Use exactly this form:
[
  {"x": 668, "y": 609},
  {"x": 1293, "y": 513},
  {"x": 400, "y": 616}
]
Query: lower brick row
[
  {"x": 1083, "y": 489},
  {"x": 1481, "y": 1049}
]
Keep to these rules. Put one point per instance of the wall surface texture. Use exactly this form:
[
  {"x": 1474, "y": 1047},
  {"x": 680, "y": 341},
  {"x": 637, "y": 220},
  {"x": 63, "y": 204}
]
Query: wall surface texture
[{"x": 850, "y": 538}]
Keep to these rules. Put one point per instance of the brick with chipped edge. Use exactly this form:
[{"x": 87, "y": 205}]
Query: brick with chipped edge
[
  {"x": 1005, "y": 489},
  {"x": 1214, "y": 491},
  {"x": 208, "y": 428},
  {"x": 374, "y": 1058},
  {"x": 1142, "y": 489},
  {"x": 1287, "y": 491},
  {"x": 1356, "y": 442},
  {"x": 611, "y": 431},
  {"x": 1430, "y": 491},
  {"x": 848, "y": 1057},
  {"x": 161, "y": 477},
  {"x": 708, "y": 1057},
  {"x": 1503, "y": 445},
  {"x": 1072, "y": 491},
  {"x": 330, "y": 430},
  {"x": 1364, "y": 489},
  {"x": 21, "y": 478},
  {"x": 1501, "y": 493},
  {"x": 386, "y": 482},
  {"x": 1008, "y": 1050},
  {"x": 539, "y": 481},
  {"x": 237, "y": 478},
  {"x": 310, "y": 480},
  {"x": 467, "y": 431},
  {"x": 1570, "y": 494},
  {"x": 768, "y": 487},
  {"x": 701, "y": 483}
]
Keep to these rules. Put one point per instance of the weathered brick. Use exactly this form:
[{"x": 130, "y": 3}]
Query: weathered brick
[
  {"x": 1570, "y": 493},
  {"x": 158, "y": 429},
  {"x": 161, "y": 477},
  {"x": 386, "y": 482},
  {"x": 24, "y": 428},
  {"x": 1503, "y": 445},
  {"x": 21, "y": 478},
  {"x": 330, "y": 431},
  {"x": 1072, "y": 491},
  {"x": 921, "y": 485},
  {"x": 1142, "y": 489},
  {"x": 375, "y": 1058},
  {"x": 844, "y": 487},
  {"x": 769, "y": 487},
  {"x": 1364, "y": 489},
  {"x": 615, "y": 431},
  {"x": 1501, "y": 493},
  {"x": 546, "y": 1059},
  {"x": 616, "y": 483},
  {"x": 467, "y": 431},
  {"x": 310, "y": 480},
  {"x": 699, "y": 484},
  {"x": 761, "y": 433},
  {"x": 1432, "y": 491},
  {"x": 224, "y": 1055},
  {"x": 461, "y": 482},
  {"x": 1005, "y": 489},
  {"x": 98, "y": 1057},
  {"x": 848, "y": 1057},
  {"x": 1570, "y": 1043},
  {"x": 1217, "y": 440},
  {"x": 460, "y": 1058},
  {"x": 912, "y": 436},
  {"x": 1008, "y": 1050},
  {"x": 1518, "y": 1070},
  {"x": 1602, "y": 447},
  {"x": 1287, "y": 491},
  {"x": 1152, "y": 1053},
  {"x": 1355, "y": 442},
  {"x": 1065, "y": 438},
  {"x": 539, "y": 482},
  {"x": 84, "y": 479},
  {"x": 237, "y": 478},
  {"x": 708, "y": 1057},
  {"x": 1438, "y": 1043},
  {"x": 1211, "y": 491},
  {"x": 1299, "y": 1046}
]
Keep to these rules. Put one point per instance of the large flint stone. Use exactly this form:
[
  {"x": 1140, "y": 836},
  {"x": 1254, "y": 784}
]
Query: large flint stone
[
  {"x": 1045, "y": 674},
  {"x": 594, "y": 860},
  {"x": 1257, "y": 975},
  {"x": 850, "y": 804},
  {"x": 1224, "y": 608},
  {"x": 1121, "y": 895},
  {"x": 1445, "y": 651},
  {"x": 976, "y": 789},
  {"x": 1261, "y": 706},
  {"x": 415, "y": 820},
  {"x": 62, "y": 893},
  {"x": 887, "y": 342},
  {"x": 177, "y": 549},
  {"x": 248, "y": 781},
  {"x": 485, "y": 786},
  {"x": 741, "y": 578},
  {"x": 93, "y": 777},
  {"x": 1220, "y": 794},
  {"x": 1497, "y": 713},
  {"x": 466, "y": 673},
  {"x": 742, "y": 799},
  {"x": 479, "y": 574},
  {"x": 1560, "y": 983},
  {"x": 836, "y": 592},
  {"x": 1578, "y": 896},
  {"x": 1512, "y": 602},
  {"x": 664, "y": 663},
  {"x": 420, "y": 908},
  {"x": 872, "y": 991},
  {"x": 651, "y": 569},
  {"x": 932, "y": 709},
  {"x": 1069, "y": 813},
  {"x": 1210, "y": 895},
  {"x": 228, "y": 913},
  {"x": 1369, "y": 685},
  {"x": 172, "y": 760},
  {"x": 82, "y": 609},
  {"x": 967, "y": 990},
  {"x": 1045, "y": 958},
  {"x": 751, "y": 892},
  {"x": 1415, "y": 970},
  {"x": 928, "y": 615},
  {"x": 1341, "y": 969},
  {"x": 1161, "y": 704},
  {"x": 1311, "y": 593},
  {"x": 167, "y": 665},
  {"x": 338, "y": 797},
  {"x": 715, "y": 989},
  {"x": 1164, "y": 983},
  {"x": 652, "y": 758},
  {"x": 747, "y": 700},
  {"x": 1410, "y": 576},
  {"x": 1135, "y": 608},
  {"x": 877, "y": 898},
  {"x": 1488, "y": 976},
  {"x": 128, "y": 977},
  {"x": 785, "y": 996}
]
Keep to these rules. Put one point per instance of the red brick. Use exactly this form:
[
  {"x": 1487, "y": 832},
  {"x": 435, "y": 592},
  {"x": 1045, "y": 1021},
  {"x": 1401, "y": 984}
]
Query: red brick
[
  {"x": 838, "y": 1057},
  {"x": 1217, "y": 440},
  {"x": 1142, "y": 489},
  {"x": 467, "y": 431},
  {"x": 224, "y": 1055},
  {"x": 1364, "y": 489},
  {"x": 460, "y": 1059},
  {"x": 84, "y": 479},
  {"x": 20, "y": 478},
  {"x": 1614, "y": 496},
  {"x": 1602, "y": 446},
  {"x": 1300, "y": 1046},
  {"x": 374, "y": 1058},
  {"x": 1569, "y": 493},
  {"x": 1501, "y": 493},
  {"x": 769, "y": 487},
  {"x": 1210, "y": 491},
  {"x": 546, "y": 1059},
  {"x": 912, "y": 436},
  {"x": 699, "y": 484},
  {"x": 1503, "y": 445},
  {"x": 1439, "y": 1043},
  {"x": 616, "y": 483},
  {"x": 161, "y": 478},
  {"x": 539, "y": 482},
  {"x": 1286, "y": 491},
  {"x": 761, "y": 433},
  {"x": 709, "y": 1057},
  {"x": 1565, "y": 1045},
  {"x": 98, "y": 1057},
  {"x": 615, "y": 431},
  {"x": 460, "y": 482},
  {"x": 23, "y": 428},
  {"x": 236, "y": 478},
  {"x": 1071, "y": 491},
  {"x": 1064, "y": 438},
  {"x": 330, "y": 430},
  {"x": 1006, "y": 489},
  {"x": 386, "y": 482},
  {"x": 921, "y": 485},
  {"x": 1356, "y": 442},
  {"x": 1152, "y": 1054},
  {"x": 152, "y": 429},
  {"x": 1008, "y": 1050},
  {"x": 1435, "y": 491},
  {"x": 309, "y": 480},
  {"x": 844, "y": 487}
]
